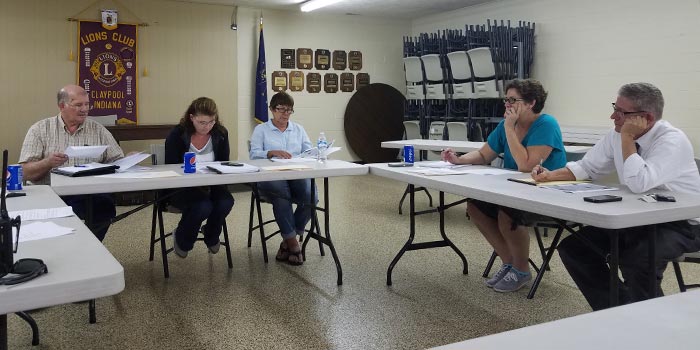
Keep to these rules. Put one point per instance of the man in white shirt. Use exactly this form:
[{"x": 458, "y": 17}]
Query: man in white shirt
[{"x": 647, "y": 153}]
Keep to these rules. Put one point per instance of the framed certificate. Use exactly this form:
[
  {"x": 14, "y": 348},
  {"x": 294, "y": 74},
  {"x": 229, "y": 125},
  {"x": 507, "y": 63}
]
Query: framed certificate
[
  {"x": 313, "y": 83},
  {"x": 330, "y": 83},
  {"x": 288, "y": 60},
  {"x": 340, "y": 60},
  {"x": 362, "y": 80},
  {"x": 296, "y": 80},
  {"x": 279, "y": 80},
  {"x": 347, "y": 82},
  {"x": 323, "y": 59},
  {"x": 355, "y": 60},
  {"x": 305, "y": 59}
]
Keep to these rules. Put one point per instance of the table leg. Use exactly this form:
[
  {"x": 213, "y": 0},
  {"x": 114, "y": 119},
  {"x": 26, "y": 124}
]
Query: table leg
[
  {"x": 411, "y": 232},
  {"x": 315, "y": 229},
  {"x": 465, "y": 265},
  {"x": 614, "y": 263},
  {"x": 3, "y": 332},
  {"x": 652, "y": 261}
]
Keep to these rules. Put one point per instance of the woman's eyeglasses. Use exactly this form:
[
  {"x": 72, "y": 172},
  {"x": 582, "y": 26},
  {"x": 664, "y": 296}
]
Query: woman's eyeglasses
[
  {"x": 511, "y": 100},
  {"x": 285, "y": 110},
  {"x": 203, "y": 123},
  {"x": 24, "y": 270}
]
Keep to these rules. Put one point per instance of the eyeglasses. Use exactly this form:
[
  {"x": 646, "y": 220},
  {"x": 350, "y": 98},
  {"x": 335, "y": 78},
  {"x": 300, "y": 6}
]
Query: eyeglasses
[
  {"x": 284, "y": 110},
  {"x": 203, "y": 123},
  {"x": 25, "y": 270},
  {"x": 511, "y": 100},
  {"x": 622, "y": 113},
  {"x": 81, "y": 105}
]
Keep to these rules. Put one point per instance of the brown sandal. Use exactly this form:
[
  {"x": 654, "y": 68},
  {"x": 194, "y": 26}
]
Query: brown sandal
[
  {"x": 295, "y": 258},
  {"x": 282, "y": 253}
]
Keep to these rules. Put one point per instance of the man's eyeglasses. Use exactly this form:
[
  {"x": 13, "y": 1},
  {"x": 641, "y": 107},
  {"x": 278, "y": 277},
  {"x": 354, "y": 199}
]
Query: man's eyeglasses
[
  {"x": 511, "y": 100},
  {"x": 81, "y": 106},
  {"x": 621, "y": 113},
  {"x": 24, "y": 270},
  {"x": 203, "y": 123},
  {"x": 285, "y": 110}
]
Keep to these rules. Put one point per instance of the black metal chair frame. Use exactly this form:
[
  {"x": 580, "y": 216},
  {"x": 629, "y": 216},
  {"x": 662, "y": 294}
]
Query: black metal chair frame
[
  {"x": 159, "y": 207},
  {"x": 679, "y": 276}
]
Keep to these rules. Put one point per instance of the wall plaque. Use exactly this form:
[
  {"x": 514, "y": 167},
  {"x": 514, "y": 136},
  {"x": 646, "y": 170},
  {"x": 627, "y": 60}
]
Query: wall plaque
[
  {"x": 296, "y": 80},
  {"x": 340, "y": 60},
  {"x": 288, "y": 59},
  {"x": 279, "y": 80},
  {"x": 362, "y": 80},
  {"x": 323, "y": 59},
  {"x": 355, "y": 60},
  {"x": 313, "y": 82},
  {"x": 305, "y": 59},
  {"x": 347, "y": 82},
  {"x": 330, "y": 82}
]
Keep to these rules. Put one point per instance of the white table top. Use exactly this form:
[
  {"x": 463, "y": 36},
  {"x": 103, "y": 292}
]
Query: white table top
[
  {"x": 497, "y": 189},
  {"x": 64, "y": 185},
  {"x": 457, "y": 146},
  {"x": 80, "y": 267},
  {"x": 669, "y": 322}
]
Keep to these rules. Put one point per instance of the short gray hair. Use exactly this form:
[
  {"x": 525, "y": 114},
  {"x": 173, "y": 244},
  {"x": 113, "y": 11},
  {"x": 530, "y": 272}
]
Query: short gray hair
[
  {"x": 62, "y": 96},
  {"x": 644, "y": 96}
]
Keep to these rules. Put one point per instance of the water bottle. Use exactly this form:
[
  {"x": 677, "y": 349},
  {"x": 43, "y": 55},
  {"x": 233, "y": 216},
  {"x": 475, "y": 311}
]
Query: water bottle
[{"x": 322, "y": 146}]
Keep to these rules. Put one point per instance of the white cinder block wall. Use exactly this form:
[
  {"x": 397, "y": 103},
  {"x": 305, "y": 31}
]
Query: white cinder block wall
[
  {"x": 585, "y": 50},
  {"x": 378, "y": 39}
]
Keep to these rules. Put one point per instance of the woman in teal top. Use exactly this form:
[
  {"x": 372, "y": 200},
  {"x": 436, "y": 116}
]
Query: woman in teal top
[{"x": 526, "y": 138}]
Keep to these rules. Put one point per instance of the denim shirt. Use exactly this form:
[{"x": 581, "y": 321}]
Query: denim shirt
[{"x": 266, "y": 137}]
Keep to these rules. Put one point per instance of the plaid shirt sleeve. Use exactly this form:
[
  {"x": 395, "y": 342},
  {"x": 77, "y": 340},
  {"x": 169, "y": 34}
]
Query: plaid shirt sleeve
[{"x": 34, "y": 145}]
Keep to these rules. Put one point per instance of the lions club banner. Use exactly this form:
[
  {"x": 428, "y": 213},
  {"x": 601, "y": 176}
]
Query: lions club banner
[{"x": 107, "y": 69}]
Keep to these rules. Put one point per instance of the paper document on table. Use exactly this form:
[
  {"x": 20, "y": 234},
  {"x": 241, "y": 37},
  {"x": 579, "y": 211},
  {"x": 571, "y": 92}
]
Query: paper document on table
[
  {"x": 531, "y": 181},
  {"x": 42, "y": 214},
  {"x": 313, "y": 152},
  {"x": 129, "y": 161},
  {"x": 41, "y": 230},
  {"x": 490, "y": 171},
  {"x": 441, "y": 164},
  {"x": 85, "y": 151},
  {"x": 580, "y": 187},
  {"x": 230, "y": 169},
  {"x": 437, "y": 171},
  {"x": 286, "y": 167},
  {"x": 142, "y": 175},
  {"x": 293, "y": 160}
]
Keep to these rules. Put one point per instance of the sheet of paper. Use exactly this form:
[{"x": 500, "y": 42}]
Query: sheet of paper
[
  {"x": 40, "y": 230},
  {"x": 141, "y": 175},
  {"x": 293, "y": 160},
  {"x": 437, "y": 171},
  {"x": 441, "y": 164},
  {"x": 580, "y": 187},
  {"x": 42, "y": 214},
  {"x": 313, "y": 152},
  {"x": 286, "y": 167},
  {"x": 490, "y": 171},
  {"x": 84, "y": 151},
  {"x": 226, "y": 169},
  {"x": 129, "y": 161}
]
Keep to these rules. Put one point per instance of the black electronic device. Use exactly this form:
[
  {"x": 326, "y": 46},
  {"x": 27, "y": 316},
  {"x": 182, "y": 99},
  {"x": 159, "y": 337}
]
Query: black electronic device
[
  {"x": 6, "y": 249},
  {"x": 232, "y": 164},
  {"x": 602, "y": 199},
  {"x": 400, "y": 165},
  {"x": 664, "y": 198}
]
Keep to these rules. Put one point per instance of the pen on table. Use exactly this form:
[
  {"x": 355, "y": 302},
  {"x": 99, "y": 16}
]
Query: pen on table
[
  {"x": 540, "y": 170},
  {"x": 81, "y": 166}
]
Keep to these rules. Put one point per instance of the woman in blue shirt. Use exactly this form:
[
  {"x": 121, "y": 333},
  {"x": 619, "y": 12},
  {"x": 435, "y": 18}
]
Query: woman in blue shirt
[
  {"x": 279, "y": 137},
  {"x": 526, "y": 138}
]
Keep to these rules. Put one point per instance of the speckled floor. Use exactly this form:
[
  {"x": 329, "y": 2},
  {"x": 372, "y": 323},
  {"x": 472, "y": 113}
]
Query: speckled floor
[{"x": 204, "y": 305}]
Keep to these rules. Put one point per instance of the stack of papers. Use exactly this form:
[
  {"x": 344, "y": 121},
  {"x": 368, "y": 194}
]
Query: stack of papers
[
  {"x": 293, "y": 160},
  {"x": 85, "y": 151},
  {"x": 441, "y": 164},
  {"x": 42, "y": 214},
  {"x": 227, "y": 169},
  {"x": 313, "y": 152},
  {"x": 41, "y": 230},
  {"x": 129, "y": 161},
  {"x": 579, "y": 187},
  {"x": 286, "y": 167}
]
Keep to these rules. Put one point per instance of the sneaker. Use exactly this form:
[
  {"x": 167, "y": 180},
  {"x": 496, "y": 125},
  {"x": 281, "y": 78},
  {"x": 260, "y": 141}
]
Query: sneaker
[
  {"x": 512, "y": 282},
  {"x": 213, "y": 249},
  {"x": 498, "y": 275},
  {"x": 179, "y": 252}
]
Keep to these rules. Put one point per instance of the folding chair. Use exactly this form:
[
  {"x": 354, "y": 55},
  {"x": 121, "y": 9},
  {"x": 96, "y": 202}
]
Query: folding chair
[
  {"x": 160, "y": 207},
  {"x": 693, "y": 257}
]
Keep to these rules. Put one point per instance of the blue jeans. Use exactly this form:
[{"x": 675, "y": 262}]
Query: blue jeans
[
  {"x": 103, "y": 211},
  {"x": 212, "y": 203},
  {"x": 281, "y": 194}
]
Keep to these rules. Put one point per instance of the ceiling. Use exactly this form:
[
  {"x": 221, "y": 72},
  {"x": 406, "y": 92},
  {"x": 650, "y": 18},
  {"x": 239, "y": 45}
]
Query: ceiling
[{"x": 396, "y": 9}]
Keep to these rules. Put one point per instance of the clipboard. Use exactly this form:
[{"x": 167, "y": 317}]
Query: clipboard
[{"x": 89, "y": 170}]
